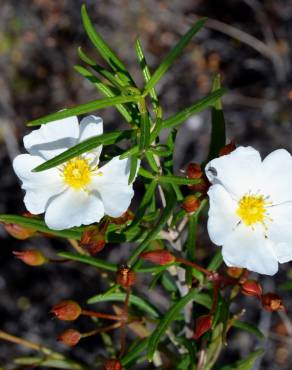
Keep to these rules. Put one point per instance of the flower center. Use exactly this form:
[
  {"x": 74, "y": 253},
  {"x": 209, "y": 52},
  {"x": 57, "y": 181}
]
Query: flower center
[
  {"x": 252, "y": 209},
  {"x": 77, "y": 173}
]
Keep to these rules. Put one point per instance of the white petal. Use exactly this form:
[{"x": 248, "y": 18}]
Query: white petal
[
  {"x": 113, "y": 186},
  {"x": 73, "y": 208},
  {"x": 52, "y": 138},
  {"x": 39, "y": 186},
  {"x": 91, "y": 126},
  {"x": 238, "y": 172},
  {"x": 222, "y": 214},
  {"x": 250, "y": 249},
  {"x": 279, "y": 230},
  {"x": 277, "y": 176}
]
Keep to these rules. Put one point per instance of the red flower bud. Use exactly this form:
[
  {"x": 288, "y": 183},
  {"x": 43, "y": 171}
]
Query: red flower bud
[
  {"x": 234, "y": 272},
  {"x": 126, "y": 277},
  {"x": 202, "y": 186},
  {"x": 203, "y": 324},
  {"x": 18, "y": 231},
  {"x": 161, "y": 257},
  {"x": 272, "y": 302},
  {"x": 126, "y": 217},
  {"x": 67, "y": 310},
  {"x": 191, "y": 204},
  {"x": 31, "y": 257},
  {"x": 251, "y": 288},
  {"x": 194, "y": 171},
  {"x": 113, "y": 364},
  {"x": 227, "y": 149},
  {"x": 70, "y": 337},
  {"x": 92, "y": 240}
]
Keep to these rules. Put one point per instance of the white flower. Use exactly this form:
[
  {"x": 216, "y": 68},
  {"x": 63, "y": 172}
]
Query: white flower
[
  {"x": 250, "y": 212},
  {"x": 78, "y": 191}
]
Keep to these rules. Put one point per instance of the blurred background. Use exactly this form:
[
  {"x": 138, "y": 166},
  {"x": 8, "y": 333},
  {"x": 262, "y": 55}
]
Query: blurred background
[{"x": 247, "y": 41}]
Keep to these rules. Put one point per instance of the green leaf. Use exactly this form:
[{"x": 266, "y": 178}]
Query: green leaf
[
  {"x": 178, "y": 180},
  {"x": 40, "y": 226},
  {"x": 144, "y": 140},
  {"x": 134, "y": 300},
  {"x": 83, "y": 108},
  {"x": 145, "y": 71},
  {"x": 105, "y": 90},
  {"x": 47, "y": 362},
  {"x": 216, "y": 261},
  {"x": 167, "y": 211},
  {"x": 245, "y": 364},
  {"x": 101, "y": 264},
  {"x": 191, "y": 244},
  {"x": 151, "y": 161},
  {"x": 202, "y": 104},
  {"x": 218, "y": 136},
  {"x": 167, "y": 319},
  {"x": 105, "y": 51},
  {"x": 133, "y": 169},
  {"x": 134, "y": 352},
  {"x": 249, "y": 328},
  {"x": 203, "y": 299},
  {"x": 174, "y": 53},
  {"x": 83, "y": 147},
  {"x": 144, "y": 173},
  {"x": 144, "y": 204}
]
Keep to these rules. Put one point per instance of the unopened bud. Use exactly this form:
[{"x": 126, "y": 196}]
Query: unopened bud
[
  {"x": 190, "y": 204},
  {"x": 234, "y": 272},
  {"x": 203, "y": 324},
  {"x": 113, "y": 364},
  {"x": 272, "y": 302},
  {"x": 194, "y": 171},
  {"x": 227, "y": 149},
  {"x": 202, "y": 186},
  {"x": 161, "y": 257},
  {"x": 31, "y": 257},
  {"x": 126, "y": 277},
  {"x": 18, "y": 231},
  {"x": 251, "y": 288},
  {"x": 70, "y": 337},
  {"x": 126, "y": 217},
  {"x": 92, "y": 240},
  {"x": 67, "y": 310}
]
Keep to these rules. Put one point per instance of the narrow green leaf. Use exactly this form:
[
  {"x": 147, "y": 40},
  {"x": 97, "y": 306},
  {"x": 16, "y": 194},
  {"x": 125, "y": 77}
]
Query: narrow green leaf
[
  {"x": 134, "y": 300},
  {"x": 132, "y": 151},
  {"x": 198, "y": 107},
  {"x": 218, "y": 136},
  {"x": 170, "y": 204},
  {"x": 48, "y": 362},
  {"x": 105, "y": 90},
  {"x": 145, "y": 71},
  {"x": 249, "y": 328},
  {"x": 151, "y": 161},
  {"x": 83, "y": 108},
  {"x": 203, "y": 299},
  {"x": 167, "y": 319},
  {"x": 105, "y": 51},
  {"x": 216, "y": 261},
  {"x": 40, "y": 226},
  {"x": 145, "y": 173},
  {"x": 245, "y": 364},
  {"x": 144, "y": 204},
  {"x": 144, "y": 140},
  {"x": 133, "y": 168},
  {"x": 174, "y": 53},
  {"x": 83, "y": 147},
  {"x": 178, "y": 180},
  {"x": 134, "y": 352},
  {"x": 92, "y": 261}
]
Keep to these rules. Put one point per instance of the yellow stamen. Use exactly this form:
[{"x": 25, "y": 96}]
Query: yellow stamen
[
  {"x": 252, "y": 209},
  {"x": 77, "y": 173}
]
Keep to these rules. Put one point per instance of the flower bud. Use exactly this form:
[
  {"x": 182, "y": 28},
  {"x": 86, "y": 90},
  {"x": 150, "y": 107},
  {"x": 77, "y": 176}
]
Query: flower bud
[
  {"x": 190, "y": 204},
  {"x": 161, "y": 257},
  {"x": 18, "y": 231},
  {"x": 67, "y": 310},
  {"x": 70, "y": 337},
  {"x": 272, "y": 302},
  {"x": 126, "y": 277},
  {"x": 92, "y": 240},
  {"x": 251, "y": 288},
  {"x": 194, "y": 171},
  {"x": 113, "y": 364},
  {"x": 126, "y": 217},
  {"x": 31, "y": 257},
  {"x": 234, "y": 272},
  {"x": 202, "y": 186},
  {"x": 203, "y": 324},
  {"x": 227, "y": 149}
]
